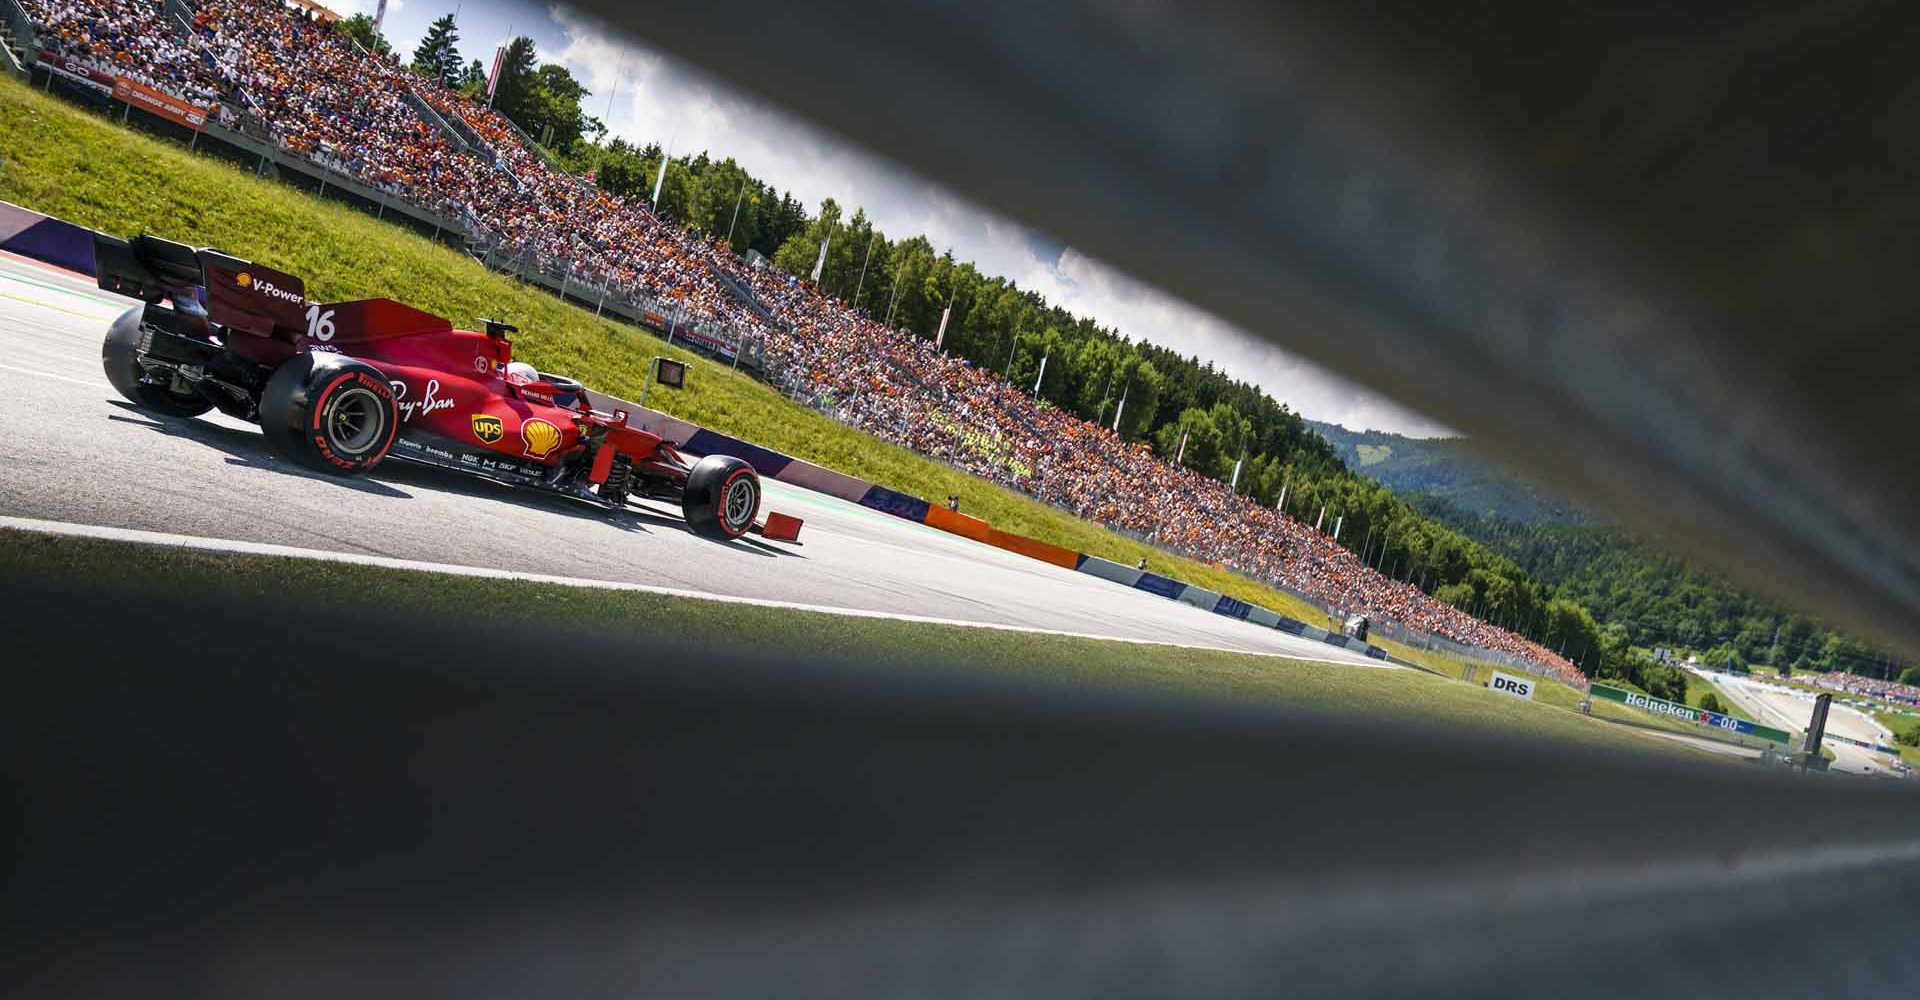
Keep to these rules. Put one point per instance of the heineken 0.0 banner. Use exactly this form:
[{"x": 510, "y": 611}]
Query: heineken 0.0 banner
[{"x": 1675, "y": 710}]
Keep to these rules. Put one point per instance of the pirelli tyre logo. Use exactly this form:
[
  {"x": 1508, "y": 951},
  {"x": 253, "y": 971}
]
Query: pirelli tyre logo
[
  {"x": 540, "y": 437},
  {"x": 487, "y": 428}
]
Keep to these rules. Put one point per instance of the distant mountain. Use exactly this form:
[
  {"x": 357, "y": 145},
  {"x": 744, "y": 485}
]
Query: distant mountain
[{"x": 1445, "y": 468}]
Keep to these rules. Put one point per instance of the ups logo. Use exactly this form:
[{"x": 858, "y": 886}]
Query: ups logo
[{"x": 487, "y": 429}]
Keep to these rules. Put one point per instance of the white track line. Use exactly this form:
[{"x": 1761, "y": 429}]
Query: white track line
[
  {"x": 91, "y": 383},
  {"x": 158, "y": 538}
]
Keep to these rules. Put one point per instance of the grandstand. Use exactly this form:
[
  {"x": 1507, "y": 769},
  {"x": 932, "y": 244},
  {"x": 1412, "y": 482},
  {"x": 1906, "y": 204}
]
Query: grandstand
[{"x": 277, "y": 71}]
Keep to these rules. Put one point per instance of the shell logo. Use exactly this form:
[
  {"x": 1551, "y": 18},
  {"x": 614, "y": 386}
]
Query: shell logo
[
  {"x": 540, "y": 437},
  {"x": 243, "y": 279}
]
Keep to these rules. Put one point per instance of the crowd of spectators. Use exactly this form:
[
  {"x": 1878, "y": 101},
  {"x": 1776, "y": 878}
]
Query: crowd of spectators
[
  {"x": 1868, "y": 687},
  {"x": 357, "y": 114}
]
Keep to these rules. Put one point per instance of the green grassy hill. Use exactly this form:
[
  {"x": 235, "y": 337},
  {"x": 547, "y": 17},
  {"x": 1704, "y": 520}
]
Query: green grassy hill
[{"x": 65, "y": 161}]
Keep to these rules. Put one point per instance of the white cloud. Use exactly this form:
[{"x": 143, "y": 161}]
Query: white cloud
[{"x": 662, "y": 99}]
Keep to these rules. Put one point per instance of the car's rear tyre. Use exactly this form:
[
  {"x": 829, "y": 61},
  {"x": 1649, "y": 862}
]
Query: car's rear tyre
[
  {"x": 119, "y": 356},
  {"x": 329, "y": 413},
  {"x": 722, "y": 497}
]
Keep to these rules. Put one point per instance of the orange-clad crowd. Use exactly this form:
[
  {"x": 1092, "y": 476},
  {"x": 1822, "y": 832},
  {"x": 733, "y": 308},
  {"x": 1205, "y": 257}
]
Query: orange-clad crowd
[{"x": 324, "y": 99}]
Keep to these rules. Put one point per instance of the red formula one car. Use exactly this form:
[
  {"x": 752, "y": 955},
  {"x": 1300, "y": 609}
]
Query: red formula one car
[{"x": 341, "y": 386}]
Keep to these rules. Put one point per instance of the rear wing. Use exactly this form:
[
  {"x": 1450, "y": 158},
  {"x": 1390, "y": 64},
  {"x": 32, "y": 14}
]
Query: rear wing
[
  {"x": 145, "y": 267},
  {"x": 237, "y": 294},
  {"x": 243, "y": 296}
]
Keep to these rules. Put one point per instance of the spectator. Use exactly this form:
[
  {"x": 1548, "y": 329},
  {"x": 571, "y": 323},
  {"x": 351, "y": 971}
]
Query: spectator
[{"x": 317, "y": 96}]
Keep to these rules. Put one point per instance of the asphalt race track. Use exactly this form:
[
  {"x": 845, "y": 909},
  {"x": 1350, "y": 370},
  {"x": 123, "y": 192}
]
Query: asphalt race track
[
  {"x": 1789, "y": 709},
  {"x": 73, "y": 451}
]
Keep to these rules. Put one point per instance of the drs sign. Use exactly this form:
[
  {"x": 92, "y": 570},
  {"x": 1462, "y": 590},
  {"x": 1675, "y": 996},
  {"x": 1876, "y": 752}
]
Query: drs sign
[{"x": 1515, "y": 686}]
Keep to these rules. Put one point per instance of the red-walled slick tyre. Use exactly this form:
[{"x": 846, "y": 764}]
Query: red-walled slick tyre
[
  {"x": 722, "y": 497},
  {"x": 330, "y": 413}
]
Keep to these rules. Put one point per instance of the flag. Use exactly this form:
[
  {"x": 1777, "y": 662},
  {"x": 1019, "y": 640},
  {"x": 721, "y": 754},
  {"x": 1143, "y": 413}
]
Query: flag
[
  {"x": 493, "y": 78},
  {"x": 1180, "y": 455},
  {"x": 1043, "y": 374},
  {"x": 1321, "y": 519},
  {"x": 941, "y": 337},
  {"x": 1337, "y": 522},
  {"x": 1121, "y": 409},
  {"x": 659, "y": 179},
  {"x": 379, "y": 15},
  {"x": 820, "y": 265},
  {"x": 1234, "y": 484}
]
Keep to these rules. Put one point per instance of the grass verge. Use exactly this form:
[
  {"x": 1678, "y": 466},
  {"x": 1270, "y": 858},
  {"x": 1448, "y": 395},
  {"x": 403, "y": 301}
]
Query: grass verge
[
  {"x": 1898, "y": 723},
  {"x": 1378, "y": 694},
  {"x": 67, "y": 162},
  {"x": 1555, "y": 694}
]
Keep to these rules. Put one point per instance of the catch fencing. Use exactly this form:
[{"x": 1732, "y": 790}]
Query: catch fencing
[
  {"x": 238, "y": 131},
  {"x": 239, "y": 135},
  {"x": 585, "y": 286}
]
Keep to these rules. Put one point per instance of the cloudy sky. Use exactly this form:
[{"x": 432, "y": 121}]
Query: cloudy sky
[{"x": 655, "y": 97}]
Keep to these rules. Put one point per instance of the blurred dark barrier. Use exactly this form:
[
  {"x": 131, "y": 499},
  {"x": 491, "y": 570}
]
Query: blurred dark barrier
[
  {"x": 265, "y": 801},
  {"x": 1658, "y": 254}
]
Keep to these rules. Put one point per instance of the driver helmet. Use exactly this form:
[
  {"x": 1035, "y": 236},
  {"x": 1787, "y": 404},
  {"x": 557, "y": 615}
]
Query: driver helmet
[{"x": 521, "y": 373}]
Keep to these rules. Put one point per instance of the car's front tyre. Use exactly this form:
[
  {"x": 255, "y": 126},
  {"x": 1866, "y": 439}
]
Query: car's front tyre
[
  {"x": 119, "y": 355},
  {"x": 722, "y": 497},
  {"x": 330, "y": 413}
]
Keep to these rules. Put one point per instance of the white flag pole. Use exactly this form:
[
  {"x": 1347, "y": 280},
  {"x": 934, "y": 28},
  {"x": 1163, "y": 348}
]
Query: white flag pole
[
  {"x": 862, "y": 283},
  {"x": 1337, "y": 522},
  {"x": 1180, "y": 456},
  {"x": 1042, "y": 375},
  {"x": 1122, "y": 409},
  {"x": 941, "y": 337},
  {"x": 1321, "y": 519}
]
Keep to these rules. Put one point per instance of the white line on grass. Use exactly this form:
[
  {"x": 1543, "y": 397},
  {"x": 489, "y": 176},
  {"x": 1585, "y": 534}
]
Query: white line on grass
[{"x": 158, "y": 538}]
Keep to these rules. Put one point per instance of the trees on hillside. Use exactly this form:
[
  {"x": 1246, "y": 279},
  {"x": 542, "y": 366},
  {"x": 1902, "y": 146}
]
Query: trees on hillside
[
  {"x": 436, "y": 57},
  {"x": 1661, "y": 599},
  {"x": 543, "y": 99},
  {"x": 359, "y": 27}
]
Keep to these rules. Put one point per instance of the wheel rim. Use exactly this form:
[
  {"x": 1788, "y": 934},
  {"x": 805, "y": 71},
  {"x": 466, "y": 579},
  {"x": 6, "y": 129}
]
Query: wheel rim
[
  {"x": 740, "y": 502},
  {"x": 354, "y": 421}
]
